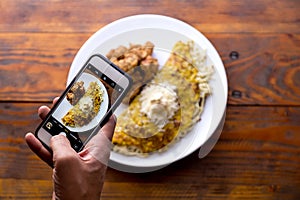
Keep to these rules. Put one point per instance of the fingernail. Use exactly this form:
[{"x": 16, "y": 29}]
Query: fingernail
[
  {"x": 114, "y": 117},
  {"x": 63, "y": 133}
]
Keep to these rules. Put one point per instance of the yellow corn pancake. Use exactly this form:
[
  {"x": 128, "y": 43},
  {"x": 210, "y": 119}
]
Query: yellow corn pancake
[
  {"x": 167, "y": 108},
  {"x": 86, "y": 108}
]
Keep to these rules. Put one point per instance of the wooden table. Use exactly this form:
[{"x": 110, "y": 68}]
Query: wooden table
[{"x": 258, "y": 154}]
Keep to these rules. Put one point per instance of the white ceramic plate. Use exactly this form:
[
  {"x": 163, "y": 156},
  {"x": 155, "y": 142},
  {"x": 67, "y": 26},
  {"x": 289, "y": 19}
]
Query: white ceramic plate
[
  {"x": 66, "y": 106},
  {"x": 164, "y": 32}
]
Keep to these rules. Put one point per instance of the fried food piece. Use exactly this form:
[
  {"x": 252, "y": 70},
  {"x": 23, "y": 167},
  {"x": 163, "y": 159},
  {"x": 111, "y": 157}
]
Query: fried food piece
[
  {"x": 75, "y": 93},
  {"x": 128, "y": 58},
  {"x": 138, "y": 62},
  {"x": 117, "y": 53}
]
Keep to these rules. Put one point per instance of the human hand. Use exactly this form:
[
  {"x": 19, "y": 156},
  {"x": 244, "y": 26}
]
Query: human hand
[{"x": 75, "y": 175}]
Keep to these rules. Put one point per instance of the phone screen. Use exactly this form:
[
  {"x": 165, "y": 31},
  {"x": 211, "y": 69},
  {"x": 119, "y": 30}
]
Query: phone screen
[{"x": 84, "y": 105}]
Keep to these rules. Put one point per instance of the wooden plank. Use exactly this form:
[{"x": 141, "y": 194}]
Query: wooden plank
[
  {"x": 34, "y": 67},
  {"x": 37, "y": 189},
  {"x": 208, "y": 16},
  {"x": 266, "y": 71},
  {"x": 25, "y": 189},
  {"x": 16, "y": 159},
  {"x": 257, "y": 155},
  {"x": 194, "y": 191}
]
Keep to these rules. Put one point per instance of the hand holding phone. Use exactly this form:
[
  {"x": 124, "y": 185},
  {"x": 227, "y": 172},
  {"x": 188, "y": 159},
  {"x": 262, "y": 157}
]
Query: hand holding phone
[{"x": 86, "y": 104}]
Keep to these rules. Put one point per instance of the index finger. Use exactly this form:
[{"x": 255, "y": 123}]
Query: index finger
[{"x": 44, "y": 110}]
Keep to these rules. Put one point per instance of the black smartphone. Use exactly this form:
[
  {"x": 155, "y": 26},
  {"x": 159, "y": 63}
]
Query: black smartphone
[{"x": 87, "y": 103}]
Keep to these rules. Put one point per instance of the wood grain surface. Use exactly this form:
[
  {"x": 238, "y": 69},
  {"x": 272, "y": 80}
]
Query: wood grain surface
[
  {"x": 225, "y": 16},
  {"x": 266, "y": 72},
  {"x": 258, "y": 153}
]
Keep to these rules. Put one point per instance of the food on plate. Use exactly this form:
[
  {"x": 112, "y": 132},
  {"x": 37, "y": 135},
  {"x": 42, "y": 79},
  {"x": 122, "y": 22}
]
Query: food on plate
[
  {"x": 159, "y": 102},
  {"x": 168, "y": 107},
  {"x": 75, "y": 93},
  {"x": 138, "y": 62},
  {"x": 128, "y": 58},
  {"x": 85, "y": 110}
]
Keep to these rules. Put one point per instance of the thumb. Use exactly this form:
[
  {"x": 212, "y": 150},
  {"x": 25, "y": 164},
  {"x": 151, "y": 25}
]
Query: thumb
[
  {"x": 98, "y": 147},
  {"x": 61, "y": 147}
]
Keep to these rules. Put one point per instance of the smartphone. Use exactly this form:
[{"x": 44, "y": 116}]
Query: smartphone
[{"x": 86, "y": 104}]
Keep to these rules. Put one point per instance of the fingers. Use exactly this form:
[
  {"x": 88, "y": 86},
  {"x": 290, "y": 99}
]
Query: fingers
[
  {"x": 100, "y": 145},
  {"x": 44, "y": 110},
  {"x": 36, "y": 146},
  {"x": 59, "y": 144},
  {"x": 109, "y": 128},
  {"x": 61, "y": 148},
  {"x": 55, "y": 100}
]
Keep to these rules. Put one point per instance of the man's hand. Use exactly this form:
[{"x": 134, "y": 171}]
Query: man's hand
[{"x": 75, "y": 175}]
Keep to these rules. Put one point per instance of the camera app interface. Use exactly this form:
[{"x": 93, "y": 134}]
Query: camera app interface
[{"x": 84, "y": 106}]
